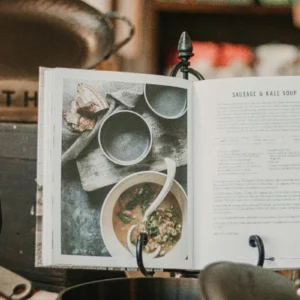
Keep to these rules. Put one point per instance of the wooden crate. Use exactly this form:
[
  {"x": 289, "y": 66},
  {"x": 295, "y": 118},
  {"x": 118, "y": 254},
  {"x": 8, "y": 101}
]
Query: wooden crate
[
  {"x": 19, "y": 98},
  {"x": 17, "y": 192}
]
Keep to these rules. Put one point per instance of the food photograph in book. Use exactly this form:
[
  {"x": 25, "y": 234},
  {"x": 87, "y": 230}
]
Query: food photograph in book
[{"x": 124, "y": 169}]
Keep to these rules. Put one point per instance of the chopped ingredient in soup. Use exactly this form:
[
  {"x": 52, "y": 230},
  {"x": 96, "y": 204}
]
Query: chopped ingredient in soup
[
  {"x": 163, "y": 225},
  {"x": 125, "y": 219},
  {"x": 142, "y": 197},
  {"x": 163, "y": 228}
]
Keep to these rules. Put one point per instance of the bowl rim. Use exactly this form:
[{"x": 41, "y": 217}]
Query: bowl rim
[
  {"x": 120, "y": 162},
  {"x": 175, "y": 280},
  {"x": 137, "y": 174},
  {"x": 159, "y": 114}
]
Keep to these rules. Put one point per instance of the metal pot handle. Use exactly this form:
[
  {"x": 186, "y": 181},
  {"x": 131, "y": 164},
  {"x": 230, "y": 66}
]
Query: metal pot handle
[
  {"x": 13, "y": 286},
  {"x": 115, "y": 15}
]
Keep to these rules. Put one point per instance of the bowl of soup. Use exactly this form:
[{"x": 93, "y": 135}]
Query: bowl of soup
[{"x": 125, "y": 206}]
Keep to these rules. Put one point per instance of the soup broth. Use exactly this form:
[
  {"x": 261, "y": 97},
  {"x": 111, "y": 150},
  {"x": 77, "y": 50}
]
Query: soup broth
[{"x": 164, "y": 226}]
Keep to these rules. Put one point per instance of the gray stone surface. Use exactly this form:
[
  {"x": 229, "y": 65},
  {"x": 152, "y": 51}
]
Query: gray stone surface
[
  {"x": 18, "y": 140},
  {"x": 80, "y": 216}
]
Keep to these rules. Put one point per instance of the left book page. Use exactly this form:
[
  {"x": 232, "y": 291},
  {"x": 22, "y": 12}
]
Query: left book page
[{"x": 109, "y": 139}]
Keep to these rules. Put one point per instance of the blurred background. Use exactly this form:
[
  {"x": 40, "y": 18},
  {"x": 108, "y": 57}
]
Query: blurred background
[{"x": 231, "y": 38}]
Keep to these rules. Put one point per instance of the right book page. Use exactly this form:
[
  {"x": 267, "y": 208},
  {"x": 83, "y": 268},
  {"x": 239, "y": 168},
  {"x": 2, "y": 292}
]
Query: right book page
[{"x": 247, "y": 170}]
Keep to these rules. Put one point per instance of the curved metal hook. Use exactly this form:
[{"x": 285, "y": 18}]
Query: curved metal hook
[
  {"x": 116, "y": 47},
  {"x": 197, "y": 74},
  {"x": 176, "y": 68},
  {"x": 182, "y": 64},
  {"x": 141, "y": 242},
  {"x": 256, "y": 241}
]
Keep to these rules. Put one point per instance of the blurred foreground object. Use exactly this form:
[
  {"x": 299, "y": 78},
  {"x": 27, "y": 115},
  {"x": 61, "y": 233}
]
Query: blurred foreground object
[
  {"x": 40, "y": 295},
  {"x": 230, "y": 281}
]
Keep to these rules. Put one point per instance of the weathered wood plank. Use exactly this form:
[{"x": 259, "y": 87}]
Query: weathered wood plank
[
  {"x": 17, "y": 192},
  {"x": 19, "y": 98},
  {"x": 18, "y": 141},
  {"x": 19, "y": 114}
]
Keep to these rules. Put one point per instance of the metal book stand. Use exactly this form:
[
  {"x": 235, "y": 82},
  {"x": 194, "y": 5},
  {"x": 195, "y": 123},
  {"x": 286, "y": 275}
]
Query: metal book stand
[{"x": 185, "y": 52}]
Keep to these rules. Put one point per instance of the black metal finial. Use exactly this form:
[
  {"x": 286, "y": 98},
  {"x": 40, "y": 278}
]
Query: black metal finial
[
  {"x": 185, "y": 47},
  {"x": 185, "y": 52}
]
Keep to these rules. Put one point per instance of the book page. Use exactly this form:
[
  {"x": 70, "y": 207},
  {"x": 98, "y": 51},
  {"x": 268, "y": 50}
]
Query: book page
[
  {"x": 44, "y": 195},
  {"x": 247, "y": 175},
  {"x": 40, "y": 166},
  {"x": 99, "y": 191}
]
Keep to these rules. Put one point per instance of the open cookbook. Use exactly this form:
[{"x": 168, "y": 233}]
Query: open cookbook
[{"x": 198, "y": 165}]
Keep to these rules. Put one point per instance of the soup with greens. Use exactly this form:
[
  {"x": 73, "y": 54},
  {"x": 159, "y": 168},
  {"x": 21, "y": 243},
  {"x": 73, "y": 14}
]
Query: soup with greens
[{"x": 163, "y": 226}]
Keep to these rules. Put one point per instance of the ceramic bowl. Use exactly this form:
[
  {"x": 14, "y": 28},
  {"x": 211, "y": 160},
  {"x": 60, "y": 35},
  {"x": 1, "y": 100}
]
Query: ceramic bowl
[
  {"x": 168, "y": 102},
  {"x": 112, "y": 243},
  {"x": 125, "y": 138}
]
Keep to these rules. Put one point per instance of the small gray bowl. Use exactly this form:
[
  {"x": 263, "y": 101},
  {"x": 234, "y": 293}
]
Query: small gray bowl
[
  {"x": 168, "y": 102},
  {"x": 125, "y": 138}
]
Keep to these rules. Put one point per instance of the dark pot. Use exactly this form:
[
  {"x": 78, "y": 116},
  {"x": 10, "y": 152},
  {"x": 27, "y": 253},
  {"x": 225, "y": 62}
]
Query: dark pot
[
  {"x": 15, "y": 287},
  {"x": 222, "y": 281},
  {"x": 61, "y": 33},
  {"x": 135, "y": 288},
  {"x": 48, "y": 33}
]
